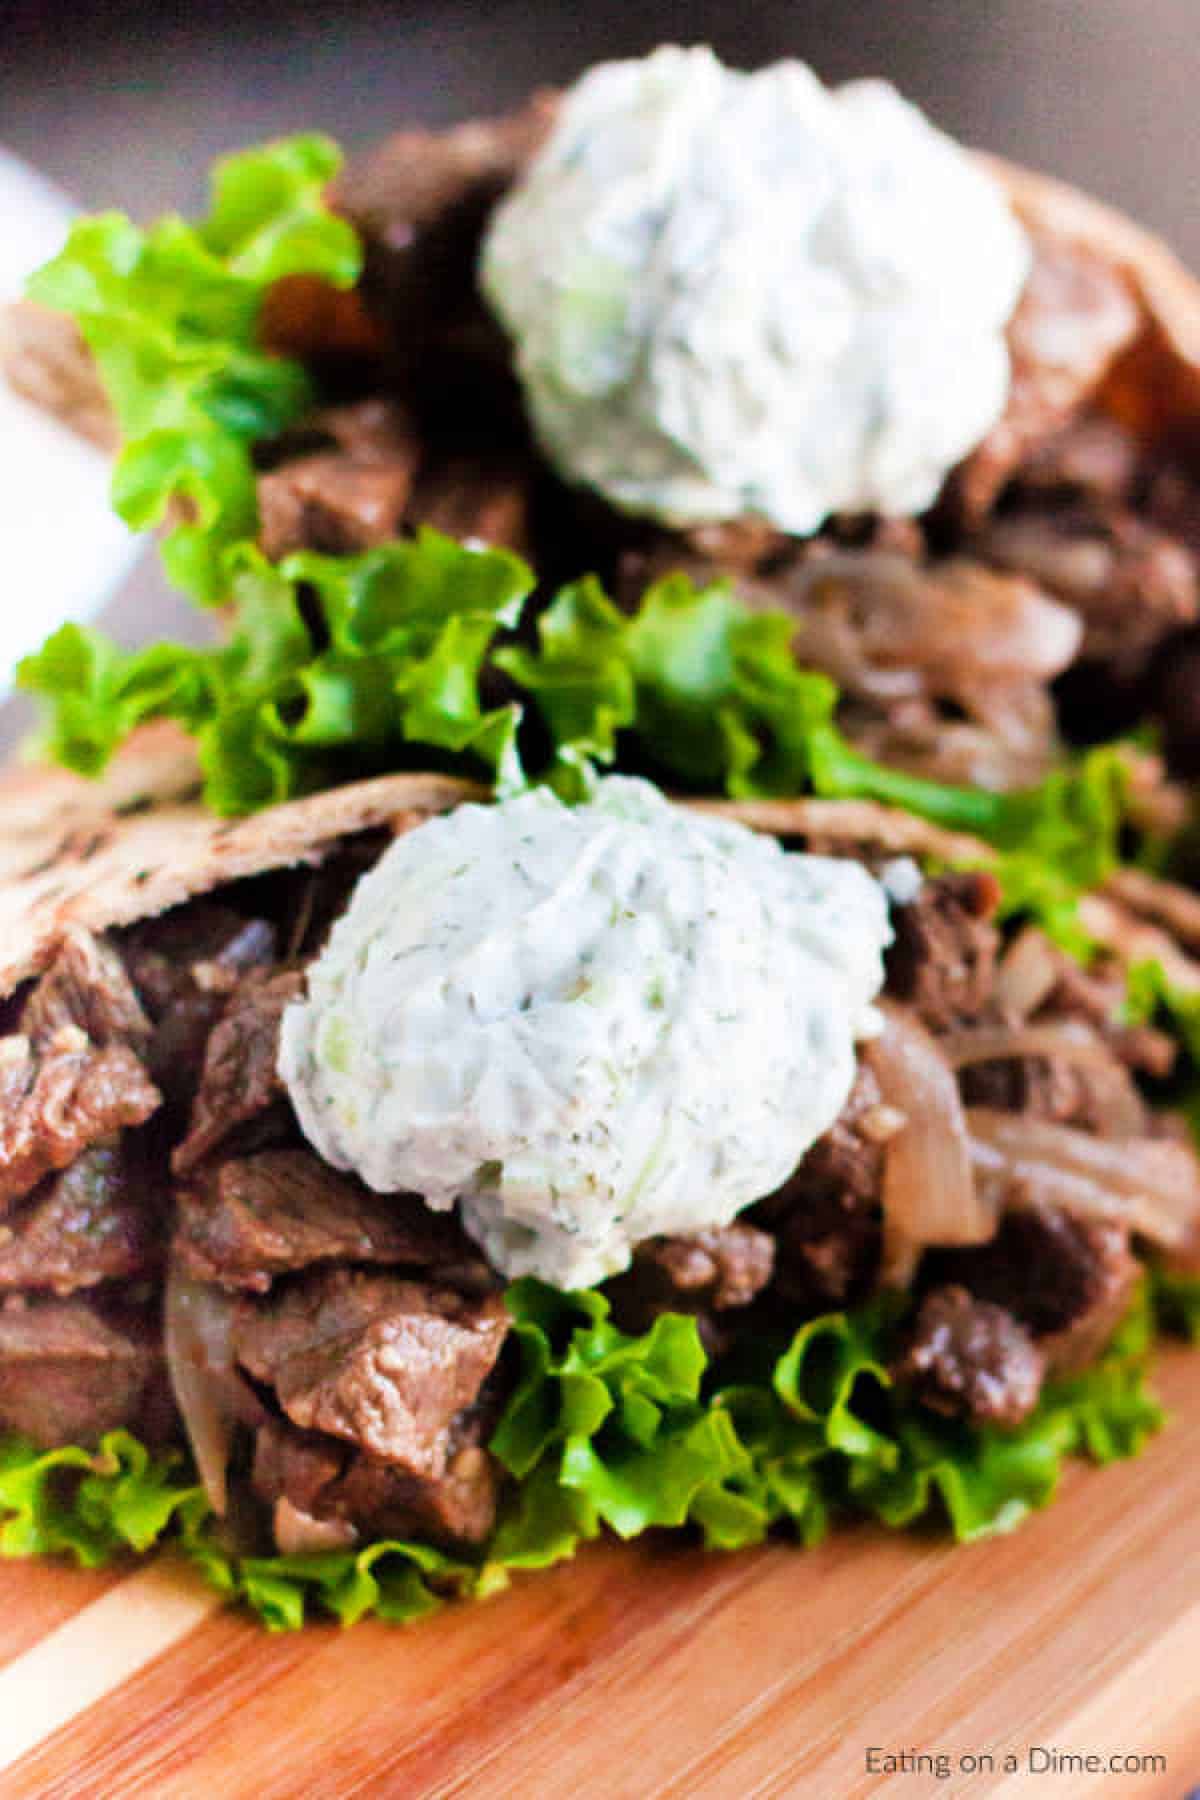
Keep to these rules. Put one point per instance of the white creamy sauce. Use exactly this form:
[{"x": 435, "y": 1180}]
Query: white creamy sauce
[
  {"x": 737, "y": 294},
  {"x": 588, "y": 1024}
]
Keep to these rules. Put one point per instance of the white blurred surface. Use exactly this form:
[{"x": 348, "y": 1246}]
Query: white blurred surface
[{"x": 62, "y": 550}]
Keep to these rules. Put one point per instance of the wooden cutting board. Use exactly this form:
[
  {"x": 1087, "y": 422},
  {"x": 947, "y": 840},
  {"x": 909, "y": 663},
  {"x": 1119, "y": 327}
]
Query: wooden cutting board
[{"x": 634, "y": 1673}]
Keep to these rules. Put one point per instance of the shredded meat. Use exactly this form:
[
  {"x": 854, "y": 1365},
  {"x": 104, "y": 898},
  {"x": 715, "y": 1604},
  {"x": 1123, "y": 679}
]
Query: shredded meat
[{"x": 86, "y": 988}]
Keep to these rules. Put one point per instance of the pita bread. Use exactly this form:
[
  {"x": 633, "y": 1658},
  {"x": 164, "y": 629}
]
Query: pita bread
[
  {"x": 1154, "y": 385},
  {"x": 76, "y": 853}
]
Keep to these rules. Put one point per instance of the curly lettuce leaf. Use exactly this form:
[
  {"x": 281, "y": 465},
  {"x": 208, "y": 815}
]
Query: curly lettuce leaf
[
  {"x": 628, "y": 1432},
  {"x": 171, "y": 315},
  {"x": 334, "y": 666}
]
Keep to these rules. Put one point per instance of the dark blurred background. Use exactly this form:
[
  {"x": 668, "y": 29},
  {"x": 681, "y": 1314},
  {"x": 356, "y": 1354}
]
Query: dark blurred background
[{"x": 125, "y": 102}]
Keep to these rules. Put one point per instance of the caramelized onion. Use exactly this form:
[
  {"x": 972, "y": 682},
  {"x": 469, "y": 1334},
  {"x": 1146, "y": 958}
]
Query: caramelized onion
[
  {"x": 1150, "y": 1184},
  {"x": 199, "y": 1350},
  {"x": 1067, "y": 1040},
  {"x": 1026, "y": 974},
  {"x": 929, "y": 1191}
]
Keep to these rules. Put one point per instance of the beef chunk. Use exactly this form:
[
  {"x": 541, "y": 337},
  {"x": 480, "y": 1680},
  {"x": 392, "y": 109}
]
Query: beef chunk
[
  {"x": 970, "y": 1356},
  {"x": 240, "y": 1079},
  {"x": 943, "y": 958},
  {"x": 70, "y": 1371},
  {"x": 255, "y": 1217},
  {"x": 1070, "y": 1280},
  {"x": 1073, "y": 320},
  {"x": 323, "y": 1495},
  {"x": 826, "y": 1218},
  {"x": 95, "y": 1222},
  {"x": 387, "y": 1365},
  {"x": 420, "y": 200},
  {"x": 184, "y": 967},
  {"x": 334, "y": 502},
  {"x": 1176, "y": 703},
  {"x": 1130, "y": 583},
  {"x": 61, "y": 1097},
  {"x": 724, "y": 1267},
  {"x": 476, "y": 499},
  {"x": 86, "y": 987},
  {"x": 1092, "y": 456}
]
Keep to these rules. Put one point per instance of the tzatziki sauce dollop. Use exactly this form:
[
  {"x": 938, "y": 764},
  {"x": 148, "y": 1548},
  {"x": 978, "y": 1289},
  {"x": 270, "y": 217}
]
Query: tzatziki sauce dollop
[
  {"x": 587, "y": 1024},
  {"x": 751, "y": 295}
]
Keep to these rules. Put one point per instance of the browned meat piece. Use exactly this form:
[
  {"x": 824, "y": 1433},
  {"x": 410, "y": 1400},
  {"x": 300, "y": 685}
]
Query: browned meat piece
[
  {"x": 420, "y": 200},
  {"x": 97, "y": 1221},
  {"x": 1072, "y": 322},
  {"x": 43, "y": 356},
  {"x": 185, "y": 966},
  {"x": 826, "y": 1219},
  {"x": 969, "y": 1356},
  {"x": 1176, "y": 704},
  {"x": 58, "y": 1099},
  {"x": 323, "y": 1495},
  {"x": 333, "y": 502},
  {"x": 384, "y": 1363},
  {"x": 474, "y": 499},
  {"x": 943, "y": 958},
  {"x": 86, "y": 987},
  {"x": 1092, "y": 455},
  {"x": 70, "y": 1372},
  {"x": 1070, "y": 1280},
  {"x": 724, "y": 1267},
  {"x": 255, "y": 1217},
  {"x": 395, "y": 1369},
  {"x": 1130, "y": 583},
  {"x": 240, "y": 1079}
]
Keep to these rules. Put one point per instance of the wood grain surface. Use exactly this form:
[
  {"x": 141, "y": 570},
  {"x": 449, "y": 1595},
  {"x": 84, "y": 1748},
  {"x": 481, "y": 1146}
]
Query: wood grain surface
[{"x": 642, "y": 1671}]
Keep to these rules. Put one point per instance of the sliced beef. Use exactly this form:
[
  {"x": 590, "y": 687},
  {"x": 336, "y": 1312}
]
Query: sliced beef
[
  {"x": 70, "y": 1371},
  {"x": 1098, "y": 1097},
  {"x": 100, "y": 1220},
  {"x": 184, "y": 966},
  {"x": 240, "y": 1079},
  {"x": 1070, "y": 1280},
  {"x": 826, "y": 1218},
  {"x": 970, "y": 1356},
  {"x": 1130, "y": 583},
  {"x": 717, "y": 1270},
  {"x": 395, "y": 1369},
  {"x": 1073, "y": 320},
  {"x": 61, "y": 1097},
  {"x": 85, "y": 987},
  {"x": 943, "y": 959},
  {"x": 252, "y": 1218}
]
